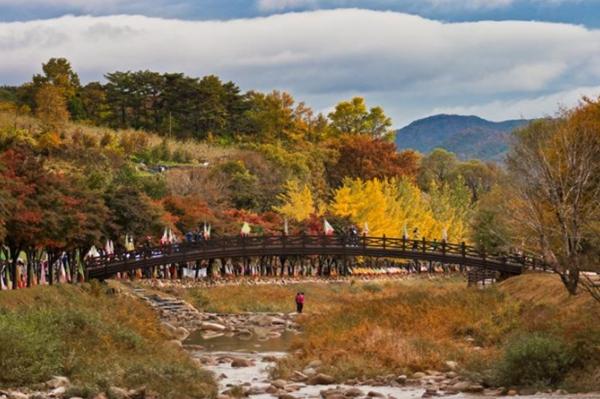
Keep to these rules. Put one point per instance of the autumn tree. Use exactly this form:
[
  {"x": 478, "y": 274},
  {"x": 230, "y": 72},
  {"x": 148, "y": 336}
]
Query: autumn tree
[
  {"x": 51, "y": 108},
  {"x": 390, "y": 206},
  {"x": 297, "y": 201},
  {"x": 353, "y": 117},
  {"x": 58, "y": 73},
  {"x": 554, "y": 174},
  {"x": 438, "y": 167},
  {"x": 367, "y": 158}
]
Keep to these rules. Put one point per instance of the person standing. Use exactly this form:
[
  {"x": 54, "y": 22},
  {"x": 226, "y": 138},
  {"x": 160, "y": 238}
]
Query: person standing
[{"x": 299, "y": 302}]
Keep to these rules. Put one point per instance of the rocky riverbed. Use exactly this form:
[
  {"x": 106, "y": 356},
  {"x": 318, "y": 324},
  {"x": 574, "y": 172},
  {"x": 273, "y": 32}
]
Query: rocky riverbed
[{"x": 241, "y": 349}]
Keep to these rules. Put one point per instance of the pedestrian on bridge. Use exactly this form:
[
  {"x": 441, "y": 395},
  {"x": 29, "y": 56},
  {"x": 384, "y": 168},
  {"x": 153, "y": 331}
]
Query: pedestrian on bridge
[{"x": 299, "y": 302}]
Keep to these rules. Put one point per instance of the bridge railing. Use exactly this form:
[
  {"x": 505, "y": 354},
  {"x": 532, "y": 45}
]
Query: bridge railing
[{"x": 311, "y": 242}]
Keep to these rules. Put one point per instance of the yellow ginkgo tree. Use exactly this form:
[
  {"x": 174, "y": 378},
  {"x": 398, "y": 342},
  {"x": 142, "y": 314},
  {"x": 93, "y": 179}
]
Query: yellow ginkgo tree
[
  {"x": 297, "y": 201},
  {"x": 392, "y": 206}
]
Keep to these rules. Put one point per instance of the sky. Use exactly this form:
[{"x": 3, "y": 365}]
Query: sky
[{"x": 499, "y": 59}]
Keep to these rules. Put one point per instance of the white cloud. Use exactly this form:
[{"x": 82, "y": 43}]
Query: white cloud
[
  {"x": 528, "y": 108},
  {"x": 409, "y": 64}
]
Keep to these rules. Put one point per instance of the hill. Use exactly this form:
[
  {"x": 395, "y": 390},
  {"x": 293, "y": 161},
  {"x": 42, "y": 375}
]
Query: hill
[{"x": 467, "y": 136}]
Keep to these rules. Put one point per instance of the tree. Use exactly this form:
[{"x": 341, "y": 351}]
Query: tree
[
  {"x": 479, "y": 177},
  {"x": 296, "y": 202},
  {"x": 391, "y": 205},
  {"x": 352, "y": 117},
  {"x": 51, "y": 108},
  {"x": 554, "y": 174},
  {"x": 367, "y": 158},
  {"x": 437, "y": 167},
  {"x": 59, "y": 74}
]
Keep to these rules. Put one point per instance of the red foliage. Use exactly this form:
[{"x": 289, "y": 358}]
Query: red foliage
[{"x": 361, "y": 156}]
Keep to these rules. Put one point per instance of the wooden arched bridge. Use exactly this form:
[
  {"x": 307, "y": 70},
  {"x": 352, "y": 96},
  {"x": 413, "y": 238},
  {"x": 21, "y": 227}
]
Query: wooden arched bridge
[{"x": 343, "y": 247}]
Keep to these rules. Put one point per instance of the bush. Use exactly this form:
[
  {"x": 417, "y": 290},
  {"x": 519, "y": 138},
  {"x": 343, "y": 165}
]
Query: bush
[
  {"x": 372, "y": 287},
  {"x": 535, "y": 360}
]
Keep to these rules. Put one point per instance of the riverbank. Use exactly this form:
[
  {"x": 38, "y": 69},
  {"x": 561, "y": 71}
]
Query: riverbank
[
  {"x": 524, "y": 335},
  {"x": 103, "y": 344}
]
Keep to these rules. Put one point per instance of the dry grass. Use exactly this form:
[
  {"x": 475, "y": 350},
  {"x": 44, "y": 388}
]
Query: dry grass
[
  {"x": 373, "y": 329},
  {"x": 96, "y": 339}
]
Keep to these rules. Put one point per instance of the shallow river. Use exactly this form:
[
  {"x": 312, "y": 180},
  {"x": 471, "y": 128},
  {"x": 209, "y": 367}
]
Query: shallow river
[{"x": 258, "y": 374}]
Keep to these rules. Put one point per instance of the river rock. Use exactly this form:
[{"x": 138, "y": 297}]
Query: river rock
[
  {"x": 58, "y": 391},
  {"x": 315, "y": 364},
  {"x": 299, "y": 377},
  {"x": 373, "y": 394},
  {"x": 452, "y": 365},
  {"x": 181, "y": 333},
  {"x": 58, "y": 381},
  {"x": 286, "y": 396},
  {"x": 272, "y": 389},
  {"x": 269, "y": 359},
  {"x": 309, "y": 371},
  {"x": 401, "y": 379},
  {"x": 239, "y": 362},
  {"x": 206, "y": 325},
  {"x": 460, "y": 386},
  {"x": 16, "y": 395},
  {"x": 418, "y": 375},
  {"x": 477, "y": 388},
  {"x": 353, "y": 393},
  {"x": 321, "y": 379},
  {"x": 279, "y": 383}
]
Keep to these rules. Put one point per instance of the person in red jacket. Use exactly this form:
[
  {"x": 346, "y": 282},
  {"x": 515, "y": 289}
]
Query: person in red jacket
[{"x": 299, "y": 302}]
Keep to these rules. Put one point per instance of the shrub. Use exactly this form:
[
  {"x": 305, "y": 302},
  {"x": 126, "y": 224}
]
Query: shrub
[
  {"x": 372, "y": 287},
  {"x": 535, "y": 360}
]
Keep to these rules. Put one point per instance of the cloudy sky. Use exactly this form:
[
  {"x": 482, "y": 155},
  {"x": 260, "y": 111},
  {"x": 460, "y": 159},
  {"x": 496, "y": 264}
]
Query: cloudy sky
[{"x": 500, "y": 59}]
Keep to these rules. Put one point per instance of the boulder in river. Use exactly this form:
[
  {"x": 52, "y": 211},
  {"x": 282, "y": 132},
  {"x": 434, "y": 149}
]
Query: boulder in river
[
  {"x": 321, "y": 379},
  {"x": 206, "y": 325},
  {"x": 239, "y": 362}
]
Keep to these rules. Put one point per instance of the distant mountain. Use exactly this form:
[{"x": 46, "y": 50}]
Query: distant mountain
[{"x": 467, "y": 136}]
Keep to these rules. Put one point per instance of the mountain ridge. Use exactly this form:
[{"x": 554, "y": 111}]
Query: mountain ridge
[{"x": 469, "y": 136}]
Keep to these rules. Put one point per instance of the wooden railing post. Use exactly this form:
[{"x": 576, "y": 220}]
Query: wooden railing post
[
  {"x": 384, "y": 241},
  {"x": 403, "y": 243},
  {"x": 424, "y": 246},
  {"x": 444, "y": 247}
]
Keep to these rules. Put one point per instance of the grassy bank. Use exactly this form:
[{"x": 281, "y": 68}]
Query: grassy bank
[
  {"x": 95, "y": 338},
  {"x": 524, "y": 332}
]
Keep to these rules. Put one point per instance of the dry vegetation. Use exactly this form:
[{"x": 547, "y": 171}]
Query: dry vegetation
[
  {"x": 373, "y": 329},
  {"x": 96, "y": 339}
]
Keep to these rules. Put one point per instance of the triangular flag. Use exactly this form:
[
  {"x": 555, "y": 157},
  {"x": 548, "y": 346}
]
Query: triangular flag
[
  {"x": 405, "y": 232},
  {"x": 366, "y": 229},
  {"x": 165, "y": 237},
  {"x": 327, "y": 228},
  {"x": 285, "y": 227},
  {"x": 444, "y": 234},
  {"x": 245, "y": 229},
  {"x": 92, "y": 253}
]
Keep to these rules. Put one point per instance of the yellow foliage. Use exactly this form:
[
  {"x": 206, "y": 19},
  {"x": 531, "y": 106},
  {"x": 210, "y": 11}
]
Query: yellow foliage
[
  {"x": 390, "y": 206},
  {"x": 297, "y": 201}
]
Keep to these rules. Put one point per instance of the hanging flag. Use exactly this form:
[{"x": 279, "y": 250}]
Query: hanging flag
[
  {"x": 107, "y": 247},
  {"x": 405, "y": 232},
  {"x": 80, "y": 271},
  {"x": 3, "y": 286},
  {"x": 92, "y": 253},
  {"x": 165, "y": 237},
  {"x": 327, "y": 228},
  {"x": 285, "y": 227},
  {"x": 366, "y": 229},
  {"x": 172, "y": 237},
  {"x": 129, "y": 246},
  {"x": 245, "y": 229},
  {"x": 444, "y": 234}
]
